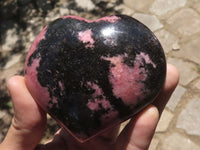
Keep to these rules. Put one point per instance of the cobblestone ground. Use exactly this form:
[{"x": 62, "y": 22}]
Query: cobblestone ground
[{"x": 176, "y": 23}]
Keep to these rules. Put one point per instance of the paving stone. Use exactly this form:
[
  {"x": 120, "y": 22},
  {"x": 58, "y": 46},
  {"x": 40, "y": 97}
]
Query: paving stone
[
  {"x": 154, "y": 144},
  {"x": 176, "y": 46},
  {"x": 86, "y": 4},
  {"x": 44, "y": 5},
  {"x": 197, "y": 6},
  {"x": 176, "y": 97},
  {"x": 185, "y": 22},
  {"x": 11, "y": 39},
  {"x": 189, "y": 119},
  {"x": 35, "y": 21},
  {"x": 63, "y": 8},
  {"x": 34, "y": 27},
  {"x": 161, "y": 7},
  {"x": 186, "y": 70},
  {"x": 64, "y": 11},
  {"x": 178, "y": 142},
  {"x": 31, "y": 37},
  {"x": 123, "y": 9},
  {"x": 166, "y": 39},
  {"x": 2, "y": 114},
  {"x": 62, "y": 3},
  {"x": 104, "y": 1},
  {"x": 197, "y": 85},
  {"x": 13, "y": 60},
  {"x": 164, "y": 121},
  {"x": 141, "y": 5},
  {"x": 52, "y": 16},
  {"x": 11, "y": 71},
  {"x": 190, "y": 51},
  {"x": 150, "y": 21},
  {"x": 28, "y": 12},
  {"x": 7, "y": 119}
]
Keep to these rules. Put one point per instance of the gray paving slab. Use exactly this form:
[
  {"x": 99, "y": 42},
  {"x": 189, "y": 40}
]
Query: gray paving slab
[
  {"x": 161, "y": 7},
  {"x": 164, "y": 121},
  {"x": 189, "y": 119},
  {"x": 150, "y": 21},
  {"x": 187, "y": 70},
  {"x": 185, "y": 22},
  {"x": 140, "y": 5},
  {"x": 167, "y": 39},
  {"x": 178, "y": 142},
  {"x": 189, "y": 51},
  {"x": 176, "y": 97}
]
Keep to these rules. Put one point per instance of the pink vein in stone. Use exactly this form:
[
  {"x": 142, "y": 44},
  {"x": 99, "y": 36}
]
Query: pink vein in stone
[
  {"x": 86, "y": 37},
  {"x": 61, "y": 85},
  {"x": 127, "y": 81},
  {"x": 147, "y": 59},
  {"x": 93, "y": 104},
  {"x": 111, "y": 117},
  {"x": 111, "y": 19}
]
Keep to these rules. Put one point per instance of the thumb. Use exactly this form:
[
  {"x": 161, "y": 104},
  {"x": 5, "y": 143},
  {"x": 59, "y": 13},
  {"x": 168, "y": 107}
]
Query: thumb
[{"x": 28, "y": 123}]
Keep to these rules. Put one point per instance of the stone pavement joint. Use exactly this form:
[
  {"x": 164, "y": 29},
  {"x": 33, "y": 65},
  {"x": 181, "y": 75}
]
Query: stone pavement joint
[
  {"x": 167, "y": 40},
  {"x": 190, "y": 51},
  {"x": 185, "y": 22},
  {"x": 186, "y": 69},
  {"x": 178, "y": 142},
  {"x": 161, "y": 7},
  {"x": 164, "y": 121},
  {"x": 140, "y": 5},
  {"x": 176, "y": 97},
  {"x": 151, "y": 21}
]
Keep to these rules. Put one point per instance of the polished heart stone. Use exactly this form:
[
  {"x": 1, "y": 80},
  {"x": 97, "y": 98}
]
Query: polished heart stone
[{"x": 92, "y": 75}]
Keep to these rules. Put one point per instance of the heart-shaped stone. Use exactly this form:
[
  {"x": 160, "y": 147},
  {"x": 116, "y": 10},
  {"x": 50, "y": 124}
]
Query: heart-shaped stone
[{"x": 92, "y": 75}]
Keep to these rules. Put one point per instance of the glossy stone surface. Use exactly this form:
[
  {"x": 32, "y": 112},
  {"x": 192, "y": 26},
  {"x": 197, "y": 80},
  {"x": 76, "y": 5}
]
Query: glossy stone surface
[{"x": 92, "y": 75}]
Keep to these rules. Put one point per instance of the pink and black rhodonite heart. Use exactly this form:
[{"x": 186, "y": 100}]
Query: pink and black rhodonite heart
[{"x": 91, "y": 75}]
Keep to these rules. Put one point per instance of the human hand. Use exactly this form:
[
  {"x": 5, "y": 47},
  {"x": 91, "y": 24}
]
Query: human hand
[{"x": 28, "y": 123}]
